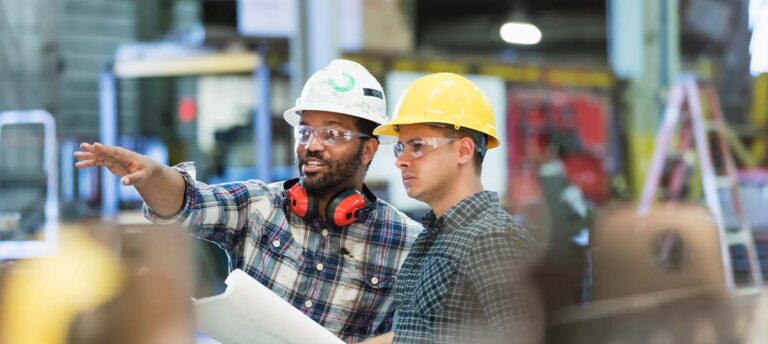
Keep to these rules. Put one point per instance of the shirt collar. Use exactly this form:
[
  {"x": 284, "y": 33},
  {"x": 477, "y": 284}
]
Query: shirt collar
[{"x": 460, "y": 213}]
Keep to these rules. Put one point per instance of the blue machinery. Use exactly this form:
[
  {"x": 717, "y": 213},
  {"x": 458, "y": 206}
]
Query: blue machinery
[{"x": 222, "y": 63}]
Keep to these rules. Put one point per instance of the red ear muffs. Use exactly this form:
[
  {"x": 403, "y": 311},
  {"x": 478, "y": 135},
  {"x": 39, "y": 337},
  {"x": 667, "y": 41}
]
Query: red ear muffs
[
  {"x": 344, "y": 207},
  {"x": 301, "y": 203}
]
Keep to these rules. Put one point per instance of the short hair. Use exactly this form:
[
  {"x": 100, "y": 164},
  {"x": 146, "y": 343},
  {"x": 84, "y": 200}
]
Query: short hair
[
  {"x": 477, "y": 137},
  {"x": 366, "y": 127}
]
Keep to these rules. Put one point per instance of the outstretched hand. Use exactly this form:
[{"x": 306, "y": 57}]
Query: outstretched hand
[{"x": 133, "y": 168}]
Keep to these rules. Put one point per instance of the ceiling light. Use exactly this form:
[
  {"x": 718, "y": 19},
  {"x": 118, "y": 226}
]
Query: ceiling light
[{"x": 520, "y": 33}]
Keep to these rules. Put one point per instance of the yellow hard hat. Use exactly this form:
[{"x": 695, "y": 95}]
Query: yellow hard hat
[{"x": 445, "y": 98}]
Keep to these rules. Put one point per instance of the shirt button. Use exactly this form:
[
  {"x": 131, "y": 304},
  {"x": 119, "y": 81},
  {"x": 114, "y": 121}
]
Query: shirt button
[
  {"x": 320, "y": 267},
  {"x": 308, "y": 303},
  {"x": 276, "y": 243},
  {"x": 324, "y": 232},
  {"x": 374, "y": 280}
]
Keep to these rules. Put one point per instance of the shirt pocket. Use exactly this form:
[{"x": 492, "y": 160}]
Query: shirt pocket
[
  {"x": 281, "y": 247},
  {"x": 433, "y": 284},
  {"x": 360, "y": 291},
  {"x": 280, "y": 266}
]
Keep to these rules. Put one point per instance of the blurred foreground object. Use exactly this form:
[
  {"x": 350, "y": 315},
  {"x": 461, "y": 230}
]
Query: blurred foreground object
[
  {"x": 41, "y": 297},
  {"x": 658, "y": 278},
  {"x": 673, "y": 247},
  {"x": 85, "y": 293},
  {"x": 154, "y": 305}
]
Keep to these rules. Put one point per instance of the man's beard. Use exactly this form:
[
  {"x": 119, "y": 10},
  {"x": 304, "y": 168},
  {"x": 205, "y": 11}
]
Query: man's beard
[{"x": 337, "y": 172}]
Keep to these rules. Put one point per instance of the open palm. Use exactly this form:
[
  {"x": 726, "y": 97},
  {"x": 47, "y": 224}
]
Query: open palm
[{"x": 132, "y": 167}]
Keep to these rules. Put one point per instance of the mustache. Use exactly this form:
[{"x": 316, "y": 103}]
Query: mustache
[{"x": 316, "y": 155}]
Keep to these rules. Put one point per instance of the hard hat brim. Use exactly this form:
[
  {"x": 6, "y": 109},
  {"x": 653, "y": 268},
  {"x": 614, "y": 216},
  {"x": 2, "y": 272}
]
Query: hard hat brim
[
  {"x": 389, "y": 130},
  {"x": 291, "y": 116}
]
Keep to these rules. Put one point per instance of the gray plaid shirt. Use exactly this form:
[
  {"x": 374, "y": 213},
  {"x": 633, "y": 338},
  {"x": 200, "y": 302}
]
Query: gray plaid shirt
[{"x": 463, "y": 281}]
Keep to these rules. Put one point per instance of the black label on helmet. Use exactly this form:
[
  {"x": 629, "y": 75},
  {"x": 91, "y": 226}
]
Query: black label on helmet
[{"x": 373, "y": 93}]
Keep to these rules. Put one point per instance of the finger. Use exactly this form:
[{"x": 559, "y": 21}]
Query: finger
[
  {"x": 91, "y": 149},
  {"x": 95, "y": 162},
  {"x": 89, "y": 152},
  {"x": 132, "y": 179},
  {"x": 87, "y": 163},
  {"x": 110, "y": 158},
  {"x": 120, "y": 155},
  {"x": 100, "y": 148},
  {"x": 84, "y": 155},
  {"x": 113, "y": 152},
  {"x": 87, "y": 147}
]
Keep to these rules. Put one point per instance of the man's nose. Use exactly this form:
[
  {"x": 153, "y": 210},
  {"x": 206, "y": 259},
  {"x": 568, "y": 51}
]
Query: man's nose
[
  {"x": 402, "y": 161},
  {"x": 314, "y": 143}
]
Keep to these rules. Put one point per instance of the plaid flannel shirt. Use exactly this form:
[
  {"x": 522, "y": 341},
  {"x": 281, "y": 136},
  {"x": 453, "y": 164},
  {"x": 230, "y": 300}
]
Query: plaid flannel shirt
[
  {"x": 341, "y": 278},
  {"x": 463, "y": 279}
]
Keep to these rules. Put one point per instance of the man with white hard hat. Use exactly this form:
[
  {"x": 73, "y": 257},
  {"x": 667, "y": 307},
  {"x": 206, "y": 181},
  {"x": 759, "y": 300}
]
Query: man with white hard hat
[{"x": 323, "y": 241}]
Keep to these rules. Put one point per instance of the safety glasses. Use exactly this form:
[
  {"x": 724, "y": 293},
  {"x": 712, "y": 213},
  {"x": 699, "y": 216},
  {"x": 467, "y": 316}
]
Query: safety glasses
[
  {"x": 328, "y": 136},
  {"x": 419, "y": 147}
]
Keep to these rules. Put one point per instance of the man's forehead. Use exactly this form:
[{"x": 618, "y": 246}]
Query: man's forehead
[{"x": 408, "y": 131}]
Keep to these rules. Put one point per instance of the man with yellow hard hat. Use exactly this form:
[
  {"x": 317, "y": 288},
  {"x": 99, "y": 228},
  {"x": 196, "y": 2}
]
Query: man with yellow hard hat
[{"x": 465, "y": 279}]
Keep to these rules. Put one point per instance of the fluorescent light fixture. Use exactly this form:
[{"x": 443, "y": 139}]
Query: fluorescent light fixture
[{"x": 520, "y": 33}]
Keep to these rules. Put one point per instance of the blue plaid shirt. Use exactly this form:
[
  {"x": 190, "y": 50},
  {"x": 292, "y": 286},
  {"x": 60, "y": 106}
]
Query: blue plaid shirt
[
  {"x": 466, "y": 279},
  {"x": 341, "y": 278}
]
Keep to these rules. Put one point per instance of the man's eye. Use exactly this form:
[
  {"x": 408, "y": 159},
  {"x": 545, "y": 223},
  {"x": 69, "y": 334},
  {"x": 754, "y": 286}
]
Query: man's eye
[
  {"x": 334, "y": 132},
  {"x": 417, "y": 146}
]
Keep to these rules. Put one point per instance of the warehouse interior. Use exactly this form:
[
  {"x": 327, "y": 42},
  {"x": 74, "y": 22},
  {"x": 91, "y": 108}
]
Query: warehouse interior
[{"x": 634, "y": 148}]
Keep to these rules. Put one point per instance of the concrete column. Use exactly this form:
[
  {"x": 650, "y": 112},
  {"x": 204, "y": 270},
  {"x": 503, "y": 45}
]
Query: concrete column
[
  {"x": 315, "y": 41},
  {"x": 643, "y": 50},
  {"x": 322, "y": 33}
]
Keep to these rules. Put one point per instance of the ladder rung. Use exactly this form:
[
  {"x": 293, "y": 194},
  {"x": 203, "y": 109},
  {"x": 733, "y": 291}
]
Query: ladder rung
[
  {"x": 740, "y": 237},
  {"x": 725, "y": 181},
  {"x": 712, "y": 125}
]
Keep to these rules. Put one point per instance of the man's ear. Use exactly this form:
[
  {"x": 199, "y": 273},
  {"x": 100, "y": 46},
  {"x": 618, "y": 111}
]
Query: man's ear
[
  {"x": 466, "y": 150},
  {"x": 369, "y": 150}
]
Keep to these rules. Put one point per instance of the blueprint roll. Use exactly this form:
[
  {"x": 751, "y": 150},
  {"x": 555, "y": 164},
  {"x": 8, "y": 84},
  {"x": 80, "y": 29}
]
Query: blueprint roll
[{"x": 248, "y": 312}]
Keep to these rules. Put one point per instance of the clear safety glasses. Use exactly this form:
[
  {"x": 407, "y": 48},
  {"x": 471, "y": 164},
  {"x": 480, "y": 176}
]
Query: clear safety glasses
[
  {"x": 421, "y": 146},
  {"x": 328, "y": 136}
]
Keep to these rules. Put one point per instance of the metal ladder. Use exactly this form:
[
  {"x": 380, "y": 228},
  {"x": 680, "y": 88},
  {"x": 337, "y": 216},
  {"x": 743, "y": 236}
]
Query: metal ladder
[{"x": 686, "y": 93}]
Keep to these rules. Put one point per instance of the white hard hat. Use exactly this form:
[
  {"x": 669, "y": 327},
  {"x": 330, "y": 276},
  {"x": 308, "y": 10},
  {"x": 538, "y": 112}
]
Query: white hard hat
[{"x": 344, "y": 87}]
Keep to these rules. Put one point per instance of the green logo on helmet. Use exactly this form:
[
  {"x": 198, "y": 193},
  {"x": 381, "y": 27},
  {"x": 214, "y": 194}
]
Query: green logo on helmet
[{"x": 348, "y": 84}]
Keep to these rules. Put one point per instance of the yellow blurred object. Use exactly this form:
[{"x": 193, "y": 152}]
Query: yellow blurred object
[
  {"x": 759, "y": 116},
  {"x": 640, "y": 153},
  {"x": 445, "y": 98},
  {"x": 42, "y": 297}
]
